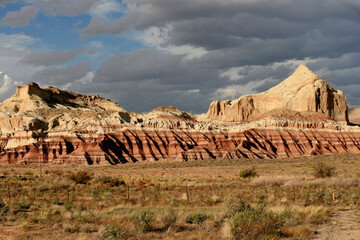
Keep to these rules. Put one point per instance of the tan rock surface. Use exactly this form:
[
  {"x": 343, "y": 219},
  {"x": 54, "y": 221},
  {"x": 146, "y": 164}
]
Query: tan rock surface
[
  {"x": 36, "y": 109},
  {"x": 60, "y": 127},
  {"x": 354, "y": 116},
  {"x": 303, "y": 91}
]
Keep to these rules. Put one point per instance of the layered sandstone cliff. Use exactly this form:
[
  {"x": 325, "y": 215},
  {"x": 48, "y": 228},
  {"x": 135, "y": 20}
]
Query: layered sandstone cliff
[
  {"x": 303, "y": 91},
  {"x": 302, "y": 116}
]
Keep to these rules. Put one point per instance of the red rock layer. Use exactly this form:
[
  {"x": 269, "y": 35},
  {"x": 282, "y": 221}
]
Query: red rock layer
[{"x": 136, "y": 145}]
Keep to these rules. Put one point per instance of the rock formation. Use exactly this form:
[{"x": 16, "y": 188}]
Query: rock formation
[
  {"x": 354, "y": 116},
  {"x": 303, "y": 91},
  {"x": 302, "y": 116}
]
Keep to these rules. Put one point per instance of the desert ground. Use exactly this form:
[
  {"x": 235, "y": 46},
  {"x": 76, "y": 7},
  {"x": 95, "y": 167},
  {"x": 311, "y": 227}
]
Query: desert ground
[{"x": 299, "y": 198}]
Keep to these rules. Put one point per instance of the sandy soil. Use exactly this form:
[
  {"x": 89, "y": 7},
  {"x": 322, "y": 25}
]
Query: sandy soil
[{"x": 343, "y": 225}]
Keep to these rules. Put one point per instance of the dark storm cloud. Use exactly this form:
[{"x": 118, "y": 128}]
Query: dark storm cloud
[
  {"x": 144, "y": 14},
  {"x": 347, "y": 61},
  {"x": 263, "y": 40},
  {"x": 140, "y": 65},
  {"x": 164, "y": 70},
  {"x": 144, "y": 95},
  {"x": 351, "y": 93},
  {"x": 246, "y": 32},
  {"x": 48, "y": 58},
  {"x": 228, "y": 32},
  {"x": 145, "y": 79},
  {"x": 247, "y": 45},
  {"x": 62, "y": 75}
]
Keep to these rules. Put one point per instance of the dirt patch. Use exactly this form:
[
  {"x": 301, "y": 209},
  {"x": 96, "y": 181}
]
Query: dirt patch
[{"x": 343, "y": 225}]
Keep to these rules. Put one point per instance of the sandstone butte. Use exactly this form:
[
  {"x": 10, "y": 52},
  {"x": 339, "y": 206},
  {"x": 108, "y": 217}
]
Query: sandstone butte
[{"x": 301, "y": 116}]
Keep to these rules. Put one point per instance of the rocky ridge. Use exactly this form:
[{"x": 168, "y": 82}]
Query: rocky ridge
[
  {"x": 301, "y": 116},
  {"x": 303, "y": 91}
]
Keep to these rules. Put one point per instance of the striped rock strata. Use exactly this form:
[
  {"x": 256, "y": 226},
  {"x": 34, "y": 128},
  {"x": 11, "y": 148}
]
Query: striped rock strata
[{"x": 60, "y": 127}]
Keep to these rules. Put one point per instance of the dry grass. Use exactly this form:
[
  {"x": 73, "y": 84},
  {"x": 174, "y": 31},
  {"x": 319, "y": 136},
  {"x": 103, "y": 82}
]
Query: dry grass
[
  {"x": 323, "y": 170},
  {"x": 172, "y": 200}
]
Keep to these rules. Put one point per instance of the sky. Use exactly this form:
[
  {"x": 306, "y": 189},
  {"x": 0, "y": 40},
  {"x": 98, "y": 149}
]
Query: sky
[{"x": 144, "y": 54}]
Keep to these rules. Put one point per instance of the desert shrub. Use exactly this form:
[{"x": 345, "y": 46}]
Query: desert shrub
[
  {"x": 59, "y": 187},
  {"x": 68, "y": 205},
  {"x": 248, "y": 173},
  {"x": 29, "y": 173},
  {"x": 88, "y": 228},
  {"x": 96, "y": 194},
  {"x": 22, "y": 206},
  {"x": 57, "y": 172},
  {"x": 255, "y": 224},
  {"x": 252, "y": 223},
  {"x": 147, "y": 218},
  {"x": 356, "y": 195},
  {"x": 70, "y": 228},
  {"x": 317, "y": 216},
  {"x": 4, "y": 209},
  {"x": 170, "y": 218},
  {"x": 43, "y": 188},
  {"x": 80, "y": 177},
  {"x": 196, "y": 218},
  {"x": 322, "y": 170},
  {"x": 56, "y": 201},
  {"x": 319, "y": 196},
  {"x": 25, "y": 178},
  {"x": 116, "y": 232},
  {"x": 82, "y": 216},
  {"x": 236, "y": 205},
  {"x": 110, "y": 181},
  {"x": 297, "y": 232}
]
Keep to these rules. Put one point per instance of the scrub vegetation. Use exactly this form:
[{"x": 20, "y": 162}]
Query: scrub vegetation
[{"x": 229, "y": 199}]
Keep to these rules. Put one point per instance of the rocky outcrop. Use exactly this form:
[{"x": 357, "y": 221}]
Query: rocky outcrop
[
  {"x": 33, "y": 109},
  {"x": 354, "y": 116},
  {"x": 31, "y": 97},
  {"x": 137, "y": 145},
  {"x": 302, "y": 116},
  {"x": 303, "y": 91}
]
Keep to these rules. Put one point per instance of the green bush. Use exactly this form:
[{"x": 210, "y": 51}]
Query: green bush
[
  {"x": 147, "y": 217},
  {"x": 248, "y": 223},
  {"x": 196, "y": 218},
  {"x": 321, "y": 170},
  {"x": 255, "y": 224},
  {"x": 236, "y": 205},
  {"x": 248, "y": 173},
  {"x": 80, "y": 177}
]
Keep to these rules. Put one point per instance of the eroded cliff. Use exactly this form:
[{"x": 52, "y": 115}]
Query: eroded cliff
[
  {"x": 303, "y": 91},
  {"x": 302, "y": 116}
]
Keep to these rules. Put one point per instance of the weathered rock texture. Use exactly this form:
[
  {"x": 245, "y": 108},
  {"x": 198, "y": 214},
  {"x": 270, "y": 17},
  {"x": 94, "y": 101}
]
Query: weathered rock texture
[
  {"x": 303, "y": 91},
  {"x": 300, "y": 117},
  {"x": 354, "y": 116},
  {"x": 135, "y": 145}
]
